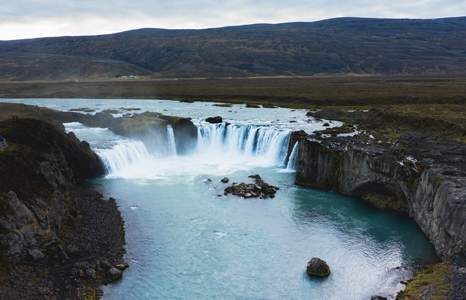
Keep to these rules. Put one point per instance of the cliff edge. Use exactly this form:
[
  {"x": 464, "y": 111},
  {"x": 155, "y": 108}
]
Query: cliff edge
[{"x": 46, "y": 225}]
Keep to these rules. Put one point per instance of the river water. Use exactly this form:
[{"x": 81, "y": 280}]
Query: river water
[{"x": 186, "y": 240}]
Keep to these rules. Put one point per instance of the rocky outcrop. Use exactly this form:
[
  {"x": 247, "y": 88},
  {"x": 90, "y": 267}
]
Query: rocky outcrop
[
  {"x": 317, "y": 267},
  {"x": 50, "y": 228},
  {"x": 37, "y": 185},
  {"x": 295, "y": 136},
  {"x": 252, "y": 190},
  {"x": 149, "y": 127},
  {"x": 214, "y": 120},
  {"x": 384, "y": 175}
]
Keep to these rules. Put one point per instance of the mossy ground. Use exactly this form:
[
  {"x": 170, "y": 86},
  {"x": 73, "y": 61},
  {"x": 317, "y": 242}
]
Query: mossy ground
[{"x": 429, "y": 283}]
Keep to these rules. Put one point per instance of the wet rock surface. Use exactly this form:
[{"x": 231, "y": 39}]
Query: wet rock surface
[
  {"x": 258, "y": 189},
  {"x": 317, "y": 267}
]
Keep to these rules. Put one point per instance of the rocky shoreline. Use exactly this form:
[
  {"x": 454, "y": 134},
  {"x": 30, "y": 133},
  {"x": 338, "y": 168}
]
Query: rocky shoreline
[
  {"x": 50, "y": 226},
  {"x": 96, "y": 241}
]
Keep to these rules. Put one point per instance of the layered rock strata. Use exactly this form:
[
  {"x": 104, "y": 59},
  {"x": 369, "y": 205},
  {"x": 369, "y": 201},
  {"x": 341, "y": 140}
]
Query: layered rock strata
[{"x": 390, "y": 178}]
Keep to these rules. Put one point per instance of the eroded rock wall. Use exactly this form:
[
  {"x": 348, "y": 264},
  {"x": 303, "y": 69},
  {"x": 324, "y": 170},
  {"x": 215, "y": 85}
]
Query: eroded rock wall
[
  {"x": 39, "y": 170},
  {"x": 149, "y": 127},
  {"x": 434, "y": 197}
]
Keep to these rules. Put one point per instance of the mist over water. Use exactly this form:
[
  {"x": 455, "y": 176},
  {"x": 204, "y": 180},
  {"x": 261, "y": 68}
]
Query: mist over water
[{"x": 186, "y": 240}]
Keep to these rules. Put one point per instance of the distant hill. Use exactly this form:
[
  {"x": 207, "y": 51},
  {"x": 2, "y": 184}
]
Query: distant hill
[{"x": 335, "y": 46}]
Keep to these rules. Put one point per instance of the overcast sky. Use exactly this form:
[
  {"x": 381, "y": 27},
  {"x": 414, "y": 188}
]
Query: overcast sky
[{"x": 21, "y": 19}]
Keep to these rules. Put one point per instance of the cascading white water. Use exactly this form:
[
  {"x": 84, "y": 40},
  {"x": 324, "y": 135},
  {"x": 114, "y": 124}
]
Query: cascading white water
[
  {"x": 171, "y": 141},
  {"x": 293, "y": 160},
  {"x": 252, "y": 141},
  {"x": 123, "y": 154},
  {"x": 219, "y": 143}
]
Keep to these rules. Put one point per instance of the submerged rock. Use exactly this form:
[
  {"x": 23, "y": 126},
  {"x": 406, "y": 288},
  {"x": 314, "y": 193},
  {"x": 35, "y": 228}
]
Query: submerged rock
[{"x": 317, "y": 267}]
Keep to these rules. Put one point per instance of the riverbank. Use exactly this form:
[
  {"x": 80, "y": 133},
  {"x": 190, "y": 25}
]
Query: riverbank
[
  {"x": 50, "y": 225},
  {"x": 96, "y": 238}
]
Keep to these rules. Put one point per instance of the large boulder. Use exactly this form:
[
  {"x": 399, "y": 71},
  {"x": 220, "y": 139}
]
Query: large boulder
[
  {"x": 113, "y": 274},
  {"x": 317, "y": 267}
]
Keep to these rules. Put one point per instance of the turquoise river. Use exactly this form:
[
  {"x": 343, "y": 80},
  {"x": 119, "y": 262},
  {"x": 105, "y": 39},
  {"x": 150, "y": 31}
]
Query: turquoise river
[{"x": 186, "y": 240}]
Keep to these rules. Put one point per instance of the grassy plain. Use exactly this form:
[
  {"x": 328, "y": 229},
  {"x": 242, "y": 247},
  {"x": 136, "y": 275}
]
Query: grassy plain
[
  {"x": 304, "y": 92},
  {"x": 408, "y": 102}
]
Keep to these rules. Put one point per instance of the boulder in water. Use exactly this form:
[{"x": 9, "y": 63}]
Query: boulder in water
[
  {"x": 252, "y": 190},
  {"x": 317, "y": 267},
  {"x": 376, "y": 297},
  {"x": 113, "y": 274},
  {"x": 214, "y": 120},
  {"x": 225, "y": 180}
]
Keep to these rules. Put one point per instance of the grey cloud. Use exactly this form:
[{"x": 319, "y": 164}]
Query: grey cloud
[{"x": 214, "y": 13}]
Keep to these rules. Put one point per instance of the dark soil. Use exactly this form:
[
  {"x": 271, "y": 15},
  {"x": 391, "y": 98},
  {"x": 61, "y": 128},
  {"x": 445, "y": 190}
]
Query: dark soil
[{"x": 98, "y": 233}]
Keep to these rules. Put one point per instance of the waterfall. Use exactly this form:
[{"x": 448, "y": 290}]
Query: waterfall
[
  {"x": 265, "y": 142},
  {"x": 292, "y": 162},
  {"x": 249, "y": 144},
  {"x": 171, "y": 141},
  {"x": 123, "y": 154}
]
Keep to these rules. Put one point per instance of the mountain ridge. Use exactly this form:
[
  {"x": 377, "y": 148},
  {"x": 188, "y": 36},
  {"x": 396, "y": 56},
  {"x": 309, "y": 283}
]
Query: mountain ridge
[{"x": 331, "y": 47}]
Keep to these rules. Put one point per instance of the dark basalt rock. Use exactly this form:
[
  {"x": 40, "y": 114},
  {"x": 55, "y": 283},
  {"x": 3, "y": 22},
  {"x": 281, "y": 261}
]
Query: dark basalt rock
[
  {"x": 375, "y": 297},
  {"x": 252, "y": 190},
  {"x": 214, "y": 120},
  {"x": 48, "y": 224},
  {"x": 225, "y": 180},
  {"x": 113, "y": 274},
  {"x": 317, "y": 267},
  {"x": 391, "y": 177}
]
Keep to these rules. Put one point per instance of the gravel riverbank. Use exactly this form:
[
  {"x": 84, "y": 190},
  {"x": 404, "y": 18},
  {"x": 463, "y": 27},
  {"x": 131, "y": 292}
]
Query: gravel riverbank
[{"x": 94, "y": 243}]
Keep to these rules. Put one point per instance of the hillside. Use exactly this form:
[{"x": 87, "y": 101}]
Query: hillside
[{"x": 335, "y": 46}]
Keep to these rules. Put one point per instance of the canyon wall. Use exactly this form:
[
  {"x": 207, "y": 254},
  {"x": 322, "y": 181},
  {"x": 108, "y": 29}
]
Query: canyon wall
[{"x": 433, "y": 195}]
